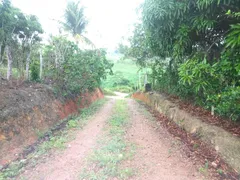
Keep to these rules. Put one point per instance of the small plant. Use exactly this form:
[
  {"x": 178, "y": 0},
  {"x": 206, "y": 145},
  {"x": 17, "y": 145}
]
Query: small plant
[
  {"x": 195, "y": 146},
  {"x": 72, "y": 124},
  {"x": 1, "y": 176},
  {"x": 13, "y": 170},
  {"x": 220, "y": 171},
  {"x": 126, "y": 173},
  {"x": 40, "y": 134},
  {"x": 204, "y": 169},
  {"x": 57, "y": 142},
  {"x": 35, "y": 69}
]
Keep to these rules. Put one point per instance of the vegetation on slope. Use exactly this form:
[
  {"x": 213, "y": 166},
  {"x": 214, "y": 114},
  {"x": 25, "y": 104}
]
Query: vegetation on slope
[
  {"x": 193, "y": 50},
  {"x": 60, "y": 62}
]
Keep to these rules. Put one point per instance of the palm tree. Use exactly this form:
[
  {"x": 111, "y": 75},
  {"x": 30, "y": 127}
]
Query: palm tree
[{"x": 75, "y": 22}]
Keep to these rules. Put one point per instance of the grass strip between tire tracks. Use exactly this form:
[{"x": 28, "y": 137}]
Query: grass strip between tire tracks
[{"x": 113, "y": 149}]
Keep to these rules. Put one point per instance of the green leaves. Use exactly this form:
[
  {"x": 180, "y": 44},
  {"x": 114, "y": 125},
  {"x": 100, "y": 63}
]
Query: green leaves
[
  {"x": 76, "y": 71},
  {"x": 227, "y": 102},
  {"x": 233, "y": 38},
  {"x": 198, "y": 75},
  {"x": 75, "y": 22},
  {"x": 192, "y": 47}
]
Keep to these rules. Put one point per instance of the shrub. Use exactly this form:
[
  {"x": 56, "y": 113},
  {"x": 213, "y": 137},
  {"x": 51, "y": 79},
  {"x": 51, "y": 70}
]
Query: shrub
[
  {"x": 227, "y": 103},
  {"x": 34, "y": 71}
]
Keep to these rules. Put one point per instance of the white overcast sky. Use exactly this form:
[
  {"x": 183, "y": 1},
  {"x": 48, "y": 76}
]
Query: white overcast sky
[{"x": 109, "y": 20}]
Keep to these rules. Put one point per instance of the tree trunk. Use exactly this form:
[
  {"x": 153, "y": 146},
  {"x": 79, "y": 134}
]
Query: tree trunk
[
  {"x": 139, "y": 80},
  {"x": 10, "y": 61},
  {"x": 0, "y": 53},
  {"x": 27, "y": 65},
  {"x": 41, "y": 64},
  {"x": 145, "y": 79},
  {"x": 56, "y": 59}
]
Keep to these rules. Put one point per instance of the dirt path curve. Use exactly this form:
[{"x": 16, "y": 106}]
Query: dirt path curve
[
  {"x": 157, "y": 156},
  {"x": 66, "y": 165}
]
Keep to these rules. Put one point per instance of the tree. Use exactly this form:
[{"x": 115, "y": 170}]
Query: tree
[
  {"x": 140, "y": 48},
  {"x": 77, "y": 70},
  {"x": 10, "y": 26},
  {"x": 199, "y": 42},
  {"x": 7, "y": 29},
  {"x": 75, "y": 22},
  {"x": 16, "y": 27},
  {"x": 30, "y": 36},
  {"x": 181, "y": 28}
]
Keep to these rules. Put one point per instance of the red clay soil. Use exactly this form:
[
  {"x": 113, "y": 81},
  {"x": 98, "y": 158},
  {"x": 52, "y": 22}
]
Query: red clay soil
[
  {"x": 197, "y": 150},
  {"x": 28, "y": 108},
  {"x": 72, "y": 106},
  {"x": 67, "y": 165}
]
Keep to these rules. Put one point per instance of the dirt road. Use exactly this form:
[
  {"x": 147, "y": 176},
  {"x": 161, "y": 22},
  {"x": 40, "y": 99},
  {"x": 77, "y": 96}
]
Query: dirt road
[{"x": 157, "y": 155}]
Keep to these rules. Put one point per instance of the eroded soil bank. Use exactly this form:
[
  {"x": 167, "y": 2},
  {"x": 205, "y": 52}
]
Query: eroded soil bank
[
  {"x": 65, "y": 165},
  {"x": 29, "y": 111},
  {"x": 223, "y": 142}
]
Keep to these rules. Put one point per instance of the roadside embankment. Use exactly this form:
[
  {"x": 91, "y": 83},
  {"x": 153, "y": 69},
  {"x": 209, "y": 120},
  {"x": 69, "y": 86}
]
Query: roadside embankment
[
  {"x": 225, "y": 143},
  {"x": 28, "y": 112}
]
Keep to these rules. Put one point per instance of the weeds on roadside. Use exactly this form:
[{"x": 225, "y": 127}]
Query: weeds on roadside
[
  {"x": 108, "y": 92},
  {"x": 105, "y": 162},
  {"x": 204, "y": 170}
]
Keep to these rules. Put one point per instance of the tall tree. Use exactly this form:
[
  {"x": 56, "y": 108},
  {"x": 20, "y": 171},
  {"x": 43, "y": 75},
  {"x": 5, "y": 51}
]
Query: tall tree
[
  {"x": 75, "y": 22},
  {"x": 197, "y": 42},
  {"x": 30, "y": 36},
  {"x": 10, "y": 26}
]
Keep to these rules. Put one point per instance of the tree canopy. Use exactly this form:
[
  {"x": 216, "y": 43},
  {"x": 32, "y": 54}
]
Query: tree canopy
[
  {"x": 199, "y": 42},
  {"x": 74, "y": 19},
  {"x": 61, "y": 62}
]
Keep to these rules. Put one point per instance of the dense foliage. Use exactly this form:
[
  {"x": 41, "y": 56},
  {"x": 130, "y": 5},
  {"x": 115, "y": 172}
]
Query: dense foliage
[
  {"x": 73, "y": 70},
  {"x": 193, "y": 49},
  {"x": 63, "y": 64},
  {"x": 19, "y": 34}
]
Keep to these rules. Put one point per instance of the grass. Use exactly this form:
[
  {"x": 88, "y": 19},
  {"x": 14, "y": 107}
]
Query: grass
[
  {"x": 108, "y": 92},
  {"x": 204, "y": 169},
  {"x": 123, "y": 89},
  {"x": 128, "y": 70},
  {"x": 105, "y": 161},
  {"x": 220, "y": 171},
  {"x": 125, "y": 69},
  {"x": 56, "y": 141},
  {"x": 3, "y": 72}
]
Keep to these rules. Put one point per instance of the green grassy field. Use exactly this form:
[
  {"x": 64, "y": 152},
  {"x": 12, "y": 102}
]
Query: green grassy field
[
  {"x": 125, "y": 68},
  {"x": 125, "y": 77}
]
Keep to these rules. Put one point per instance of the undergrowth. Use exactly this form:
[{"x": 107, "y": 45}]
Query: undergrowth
[
  {"x": 108, "y": 92},
  {"x": 55, "y": 141},
  {"x": 105, "y": 162}
]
